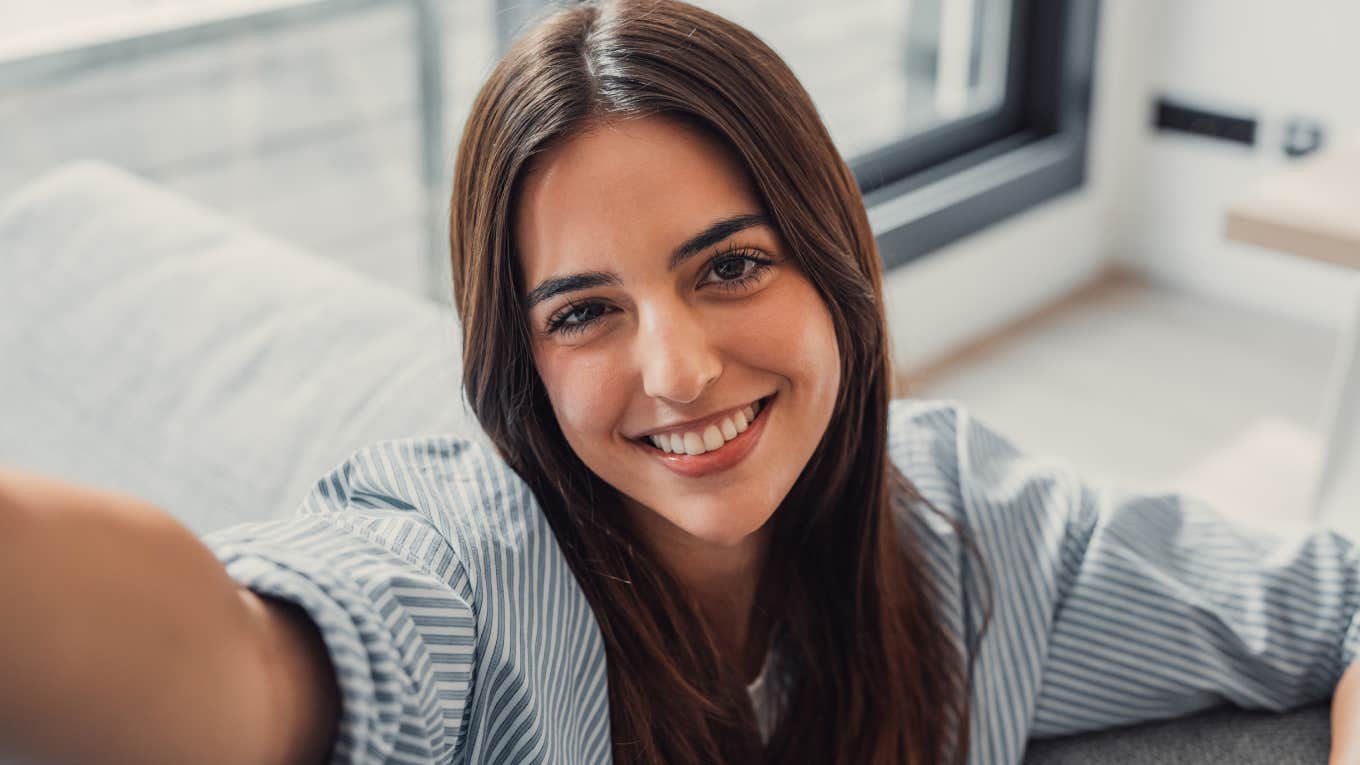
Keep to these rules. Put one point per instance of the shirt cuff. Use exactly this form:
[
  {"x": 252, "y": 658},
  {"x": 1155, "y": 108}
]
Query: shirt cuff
[{"x": 369, "y": 674}]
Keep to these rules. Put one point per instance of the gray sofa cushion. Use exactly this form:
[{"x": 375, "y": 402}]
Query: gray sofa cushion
[
  {"x": 150, "y": 346},
  {"x": 1224, "y": 735}
]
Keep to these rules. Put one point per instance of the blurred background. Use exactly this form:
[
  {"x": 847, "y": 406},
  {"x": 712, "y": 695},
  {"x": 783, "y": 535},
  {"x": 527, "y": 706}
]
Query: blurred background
[
  {"x": 1085, "y": 208},
  {"x": 316, "y": 120}
]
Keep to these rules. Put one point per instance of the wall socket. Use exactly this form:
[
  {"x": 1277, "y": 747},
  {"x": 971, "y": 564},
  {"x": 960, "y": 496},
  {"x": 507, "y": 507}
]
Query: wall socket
[
  {"x": 1298, "y": 136},
  {"x": 1179, "y": 117},
  {"x": 1302, "y": 136}
]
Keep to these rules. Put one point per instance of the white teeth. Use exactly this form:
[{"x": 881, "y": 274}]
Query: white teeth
[
  {"x": 728, "y": 428},
  {"x": 739, "y": 420},
  {"x": 713, "y": 438}
]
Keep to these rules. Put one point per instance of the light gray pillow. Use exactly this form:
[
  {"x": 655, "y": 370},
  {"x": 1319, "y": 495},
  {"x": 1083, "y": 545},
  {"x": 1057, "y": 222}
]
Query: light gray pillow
[{"x": 151, "y": 346}]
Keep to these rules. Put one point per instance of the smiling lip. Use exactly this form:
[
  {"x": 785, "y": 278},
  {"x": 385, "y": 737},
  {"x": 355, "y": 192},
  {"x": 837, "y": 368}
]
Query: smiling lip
[
  {"x": 731, "y": 452},
  {"x": 697, "y": 426}
]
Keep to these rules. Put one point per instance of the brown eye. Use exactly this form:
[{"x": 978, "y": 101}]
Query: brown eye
[
  {"x": 584, "y": 314},
  {"x": 735, "y": 270},
  {"x": 728, "y": 269},
  {"x": 576, "y": 317}
]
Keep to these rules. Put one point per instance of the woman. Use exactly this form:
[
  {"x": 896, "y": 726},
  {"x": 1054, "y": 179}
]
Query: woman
[
  {"x": 719, "y": 541},
  {"x": 655, "y": 240}
]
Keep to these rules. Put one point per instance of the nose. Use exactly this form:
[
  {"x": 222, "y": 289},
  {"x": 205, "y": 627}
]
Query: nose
[{"x": 676, "y": 354}]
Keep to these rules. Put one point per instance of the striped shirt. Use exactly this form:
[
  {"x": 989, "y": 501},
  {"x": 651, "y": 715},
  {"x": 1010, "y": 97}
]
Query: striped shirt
[{"x": 460, "y": 635}]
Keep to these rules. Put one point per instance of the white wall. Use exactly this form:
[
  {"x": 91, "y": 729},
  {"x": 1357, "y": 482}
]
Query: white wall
[
  {"x": 1272, "y": 58},
  {"x": 1005, "y": 272},
  {"x": 1155, "y": 201}
]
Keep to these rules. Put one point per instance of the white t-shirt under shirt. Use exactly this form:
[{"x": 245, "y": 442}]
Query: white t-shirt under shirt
[{"x": 761, "y": 700}]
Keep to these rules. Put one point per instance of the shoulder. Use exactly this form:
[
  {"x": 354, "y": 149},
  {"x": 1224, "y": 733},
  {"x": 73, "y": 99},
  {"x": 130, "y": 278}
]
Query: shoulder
[
  {"x": 923, "y": 446},
  {"x": 923, "y": 443},
  {"x": 973, "y": 473},
  {"x": 914, "y": 423},
  {"x": 439, "y": 570},
  {"x": 941, "y": 430},
  {"x": 523, "y": 597},
  {"x": 454, "y": 483},
  {"x": 927, "y": 436}
]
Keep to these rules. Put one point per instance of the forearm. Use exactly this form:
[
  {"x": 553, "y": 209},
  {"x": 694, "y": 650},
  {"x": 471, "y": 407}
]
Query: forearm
[
  {"x": 123, "y": 639},
  {"x": 1346, "y": 719}
]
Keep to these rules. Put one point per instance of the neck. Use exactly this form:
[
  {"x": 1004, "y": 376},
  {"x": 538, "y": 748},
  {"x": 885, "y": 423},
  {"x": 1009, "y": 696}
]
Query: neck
[{"x": 723, "y": 579}]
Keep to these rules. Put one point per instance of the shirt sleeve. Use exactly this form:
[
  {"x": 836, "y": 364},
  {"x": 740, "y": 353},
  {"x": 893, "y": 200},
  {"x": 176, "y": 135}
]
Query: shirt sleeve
[
  {"x": 1153, "y": 605},
  {"x": 380, "y": 581}
]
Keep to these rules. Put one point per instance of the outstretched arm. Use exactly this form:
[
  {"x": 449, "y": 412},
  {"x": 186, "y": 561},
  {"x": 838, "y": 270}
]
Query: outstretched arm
[
  {"x": 1346, "y": 719},
  {"x": 1127, "y": 606},
  {"x": 126, "y": 641}
]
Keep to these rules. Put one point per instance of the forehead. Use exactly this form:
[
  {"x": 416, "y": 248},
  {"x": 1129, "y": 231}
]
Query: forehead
[{"x": 622, "y": 195}]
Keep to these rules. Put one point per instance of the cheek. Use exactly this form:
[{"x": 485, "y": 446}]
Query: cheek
[
  {"x": 792, "y": 333},
  {"x": 585, "y": 395}
]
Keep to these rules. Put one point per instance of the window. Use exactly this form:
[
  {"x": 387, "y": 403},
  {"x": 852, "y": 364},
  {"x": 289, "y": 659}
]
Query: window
[
  {"x": 953, "y": 114},
  {"x": 322, "y": 122},
  {"x": 881, "y": 70},
  {"x": 331, "y": 123}
]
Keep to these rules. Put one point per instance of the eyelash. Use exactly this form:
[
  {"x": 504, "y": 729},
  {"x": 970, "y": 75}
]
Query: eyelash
[{"x": 557, "y": 323}]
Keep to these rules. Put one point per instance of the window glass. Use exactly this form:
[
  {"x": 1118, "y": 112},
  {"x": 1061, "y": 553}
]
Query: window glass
[
  {"x": 311, "y": 129},
  {"x": 883, "y": 70},
  {"x": 305, "y": 124}
]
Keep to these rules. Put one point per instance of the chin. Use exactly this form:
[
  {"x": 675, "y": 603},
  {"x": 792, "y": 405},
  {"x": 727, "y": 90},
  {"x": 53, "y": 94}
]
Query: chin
[
  {"x": 720, "y": 526},
  {"x": 723, "y": 537}
]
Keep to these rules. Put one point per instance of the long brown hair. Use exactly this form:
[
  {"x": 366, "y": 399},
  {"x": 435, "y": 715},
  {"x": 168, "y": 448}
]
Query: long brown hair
[{"x": 872, "y": 675}]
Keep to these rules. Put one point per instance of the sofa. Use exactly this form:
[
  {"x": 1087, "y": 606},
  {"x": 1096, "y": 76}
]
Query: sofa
[{"x": 151, "y": 346}]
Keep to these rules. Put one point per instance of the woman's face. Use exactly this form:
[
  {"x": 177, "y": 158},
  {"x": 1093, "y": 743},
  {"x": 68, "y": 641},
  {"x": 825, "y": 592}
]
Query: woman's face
[{"x": 664, "y": 313}]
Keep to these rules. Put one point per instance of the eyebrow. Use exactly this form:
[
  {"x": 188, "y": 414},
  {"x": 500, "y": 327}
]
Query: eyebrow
[{"x": 716, "y": 232}]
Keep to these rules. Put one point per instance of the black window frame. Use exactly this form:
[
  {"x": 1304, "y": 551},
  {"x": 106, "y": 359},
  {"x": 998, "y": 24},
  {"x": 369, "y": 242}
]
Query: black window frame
[
  {"x": 943, "y": 183},
  {"x": 937, "y": 186}
]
